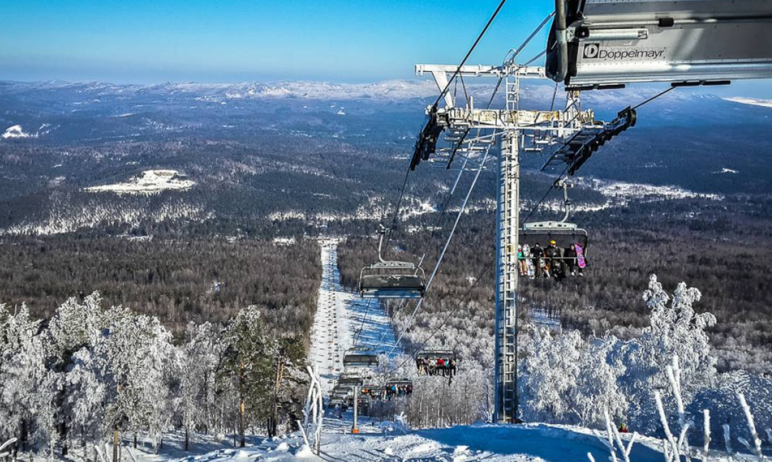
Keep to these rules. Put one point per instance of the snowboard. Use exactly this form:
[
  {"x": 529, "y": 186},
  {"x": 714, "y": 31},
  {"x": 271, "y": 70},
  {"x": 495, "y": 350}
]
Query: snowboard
[
  {"x": 580, "y": 256},
  {"x": 529, "y": 261}
]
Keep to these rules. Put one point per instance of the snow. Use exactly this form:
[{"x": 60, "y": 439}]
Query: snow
[
  {"x": 66, "y": 218},
  {"x": 751, "y": 101},
  {"x": 16, "y": 132},
  {"x": 150, "y": 182},
  {"x": 339, "y": 316},
  {"x": 728, "y": 170},
  {"x": 623, "y": 190},
  {"x": 484, "y": 443}
]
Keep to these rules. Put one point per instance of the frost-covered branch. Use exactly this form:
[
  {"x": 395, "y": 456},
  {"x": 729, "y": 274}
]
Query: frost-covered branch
[
  {"x": 609, "y": 434},
  {"x": 727, "y": 439},
  {"x": 668, "y": 434},
  {"x": 756, "y": 449},
  {"x": 706, "y": 434}
]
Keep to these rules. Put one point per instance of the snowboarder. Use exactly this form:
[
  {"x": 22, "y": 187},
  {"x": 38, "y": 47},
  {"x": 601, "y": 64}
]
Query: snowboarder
[{"x": 580, "y": 260}]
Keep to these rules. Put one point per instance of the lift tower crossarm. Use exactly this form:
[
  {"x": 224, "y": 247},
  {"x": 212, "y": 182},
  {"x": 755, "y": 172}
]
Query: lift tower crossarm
[{"x": 440, "y": 73}]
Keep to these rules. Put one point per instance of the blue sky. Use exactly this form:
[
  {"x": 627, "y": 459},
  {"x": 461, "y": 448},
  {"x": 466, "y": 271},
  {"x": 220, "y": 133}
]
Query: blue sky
[{"x": 147, "y": 41}]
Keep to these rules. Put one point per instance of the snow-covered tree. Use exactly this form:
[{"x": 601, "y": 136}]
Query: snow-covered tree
[
  {"x": 597, "y": 386},
  {"x": 199, "y": 360},
  {"x": 27, "y": 388},
  {"x": 549, "y": 373},
  {"x": 675, "y": 330}
]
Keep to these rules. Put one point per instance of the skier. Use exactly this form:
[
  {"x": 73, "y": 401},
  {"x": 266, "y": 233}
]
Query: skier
[
  {"x": 441, "y": 365},
  {"x": 623, "y": 428},
  {"x": 452, "y": 367}
]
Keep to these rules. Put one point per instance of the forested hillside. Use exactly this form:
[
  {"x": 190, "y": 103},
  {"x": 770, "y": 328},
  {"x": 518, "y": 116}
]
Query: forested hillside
[{"x": 179, "y": 280}]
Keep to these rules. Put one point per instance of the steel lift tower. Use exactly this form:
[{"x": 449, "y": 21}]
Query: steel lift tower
[{"x": 469, "y": 131}]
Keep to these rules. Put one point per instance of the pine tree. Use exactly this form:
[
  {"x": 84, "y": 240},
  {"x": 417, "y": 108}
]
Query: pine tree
[{"x": 248, "y": 364}]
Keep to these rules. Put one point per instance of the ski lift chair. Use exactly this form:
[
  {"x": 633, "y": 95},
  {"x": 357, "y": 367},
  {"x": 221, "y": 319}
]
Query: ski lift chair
[
  {"x": 562, "y": 232},
  {"x": 399, "y": 383},
  {"x": 432, "y": 357},
  {"x": 609, "y": 43},
  {"x": 406, "y": 383},
  {"x": 356, "y": 360},
  {"x": 350, "y": 381},
  {"x": 391, "y": 279}
]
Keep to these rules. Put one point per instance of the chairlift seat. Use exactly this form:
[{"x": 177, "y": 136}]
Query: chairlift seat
[
  {"x": 437, "y": 354},
  {"x": 563, "y": 233},
  {"x": 399, "y": 383},
  {"x": 402, "y": 286},
  {"x": 360, "y": 360},
  {"x": 391, "y": 279}
]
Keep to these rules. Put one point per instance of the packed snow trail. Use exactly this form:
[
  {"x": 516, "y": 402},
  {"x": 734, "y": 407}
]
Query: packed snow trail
[{"x": 343, "y": 320}]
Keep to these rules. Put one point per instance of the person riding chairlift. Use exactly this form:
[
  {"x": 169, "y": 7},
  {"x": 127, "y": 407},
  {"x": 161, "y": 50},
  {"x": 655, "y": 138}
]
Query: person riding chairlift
[
  {"x": 452, "y": 367},
  {"x": 552, "y": 256},
  {"x": 572, "y": 262},
  {"x": 521, "y": 264},
  {"x": 537, "y": 253}
]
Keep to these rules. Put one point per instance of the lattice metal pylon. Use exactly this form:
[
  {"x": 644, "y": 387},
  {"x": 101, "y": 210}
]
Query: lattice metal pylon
[
  {"x": 518, "y": 131},
  {"x": 505, "y": 330}
]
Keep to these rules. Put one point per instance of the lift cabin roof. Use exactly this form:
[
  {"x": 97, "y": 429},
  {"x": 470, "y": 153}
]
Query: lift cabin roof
[{"x": 597, "y": 43}]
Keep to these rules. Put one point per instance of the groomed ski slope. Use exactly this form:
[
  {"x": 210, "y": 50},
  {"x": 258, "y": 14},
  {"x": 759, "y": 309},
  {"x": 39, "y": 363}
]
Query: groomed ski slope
[{"x": 343, "y": 321}]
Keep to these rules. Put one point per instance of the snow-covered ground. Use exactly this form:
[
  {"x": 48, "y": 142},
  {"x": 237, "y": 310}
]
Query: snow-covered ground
[
  {"x": 343, "y": 320},
  {"x": 385, "y": 441},
  {"x": 150, "y": 182}
]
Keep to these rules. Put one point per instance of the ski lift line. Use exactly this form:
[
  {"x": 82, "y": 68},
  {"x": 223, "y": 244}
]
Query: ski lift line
[
  {"x": 396, "y": 210},
  {"x": 482, "y": 273},
  {"x": 538, "y": 204},
  {"x": 447, "y": 243},
  {"x": 662, "y": 93},
  {"x": 554, "y": 95},
  {"x": 362, "y": 326},
  {"x": 468, "y": 54},
  {"x": 530, "y": 61},
  {"x": 528, "y": 40},
  {"x": 445, "y": 204},
  {"x": 490, "y": 102}
]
